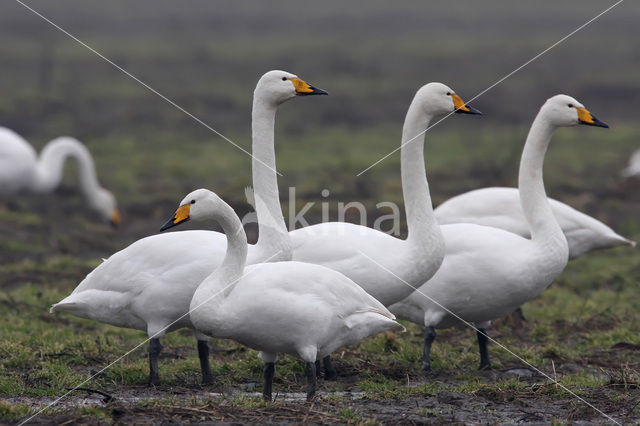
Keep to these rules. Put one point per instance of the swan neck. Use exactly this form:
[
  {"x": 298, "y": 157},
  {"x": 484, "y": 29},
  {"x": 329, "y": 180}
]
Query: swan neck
[
  {"x": 533, "y": 197},
  {"x": 232, "y": 266},
  {"x": 273, "y": 238},
  {"x": 50, "y": 168},
  {"x": 421, "y": 222}
]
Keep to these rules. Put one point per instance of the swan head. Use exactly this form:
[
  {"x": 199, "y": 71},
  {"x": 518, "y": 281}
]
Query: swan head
[
  {"x": 200, "y": 204},
  {"x": 277, "y": 87},
  {"x": 564, "y": 111},
  {"x": 438, "y": 99},
  {"x": 105, "y": 204}
]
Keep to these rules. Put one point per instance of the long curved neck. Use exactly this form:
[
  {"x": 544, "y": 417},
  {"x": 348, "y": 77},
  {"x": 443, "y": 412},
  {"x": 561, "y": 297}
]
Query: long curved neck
[
  {"x": 51, "y": 166},
  {"x": 421, "y": 221},
  {"x": 232, "y": 266},
  {"x": 533, "y": 197},
  {"x": 273, "y": 237}
]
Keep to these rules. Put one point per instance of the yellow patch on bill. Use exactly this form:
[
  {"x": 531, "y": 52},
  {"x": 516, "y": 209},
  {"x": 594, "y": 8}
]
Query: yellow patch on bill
[
  {"x": 458, "y": 103},
  {"x": 115, "y": 217},
  {"x": 301, "y": 85},
  {"x": 584, "y": 115},
  {"x": 182, "y": 213}
]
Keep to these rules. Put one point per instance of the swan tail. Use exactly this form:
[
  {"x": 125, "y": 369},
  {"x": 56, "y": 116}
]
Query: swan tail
[
  {"x": 371, "y": 322},
  {"x": 250, "y": 196},
  {"x": 91, "y": 304},
  {"x": 75, "y": 308},
  {"x": 619, "y": 240}
]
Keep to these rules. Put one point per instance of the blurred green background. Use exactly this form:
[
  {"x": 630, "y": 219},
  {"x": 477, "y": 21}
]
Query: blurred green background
[{"x": 371, "y": 57}]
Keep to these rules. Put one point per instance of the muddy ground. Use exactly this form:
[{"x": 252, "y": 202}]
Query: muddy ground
[{"x": 221, "y": 405}]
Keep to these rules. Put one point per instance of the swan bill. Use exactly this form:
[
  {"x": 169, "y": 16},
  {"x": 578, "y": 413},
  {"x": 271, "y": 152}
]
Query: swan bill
[
  {"x": 115, "y": 218},
  {"x": 304, "y": 89},
  {"x": 588, "y": 119},
  {"x": 461, "y": 107},
  {"x": 182, "y": 215}
]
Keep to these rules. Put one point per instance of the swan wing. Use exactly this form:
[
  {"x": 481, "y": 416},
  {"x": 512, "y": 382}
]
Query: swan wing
[
  {"x": 500, "y": 207},
  {"x": 370, "y": 258},
  {"x": 152, "y": 279}
]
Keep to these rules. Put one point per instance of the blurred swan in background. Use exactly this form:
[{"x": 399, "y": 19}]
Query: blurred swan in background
[
  {"x": 304, "y": 310},
  {"x": 21, "y": 170},
  {"x": 633, "y": 167},
  {"x": 488, "y": 272},
  {"x": 148, "y": 285}
]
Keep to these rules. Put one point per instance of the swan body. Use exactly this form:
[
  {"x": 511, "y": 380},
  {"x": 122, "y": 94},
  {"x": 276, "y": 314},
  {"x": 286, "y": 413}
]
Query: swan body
[
  {"x": 499, "y": 207},
  {"x": 21, "y": 170},
  {"x": 487, "y": 272},
  {"x": 148, "y": 285},
  {"x": 389, "y": 268},
  {"x": 301, "y": 309}
]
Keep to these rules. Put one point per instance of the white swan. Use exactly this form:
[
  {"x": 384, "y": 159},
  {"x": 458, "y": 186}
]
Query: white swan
[
  {"x": 22, "y": 171},
  {"x": 380, "y": 263},
  {"x": 296, "y": 308},
  {"x": 500, "y": 207},
  {"x": 633, "y": 167},
  {"x": 488, "y": 272},
  {"x": 148, "y": 285}
]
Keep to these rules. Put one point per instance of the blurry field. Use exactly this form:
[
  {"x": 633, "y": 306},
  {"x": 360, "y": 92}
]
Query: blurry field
[{"x": 371, "y": 57}]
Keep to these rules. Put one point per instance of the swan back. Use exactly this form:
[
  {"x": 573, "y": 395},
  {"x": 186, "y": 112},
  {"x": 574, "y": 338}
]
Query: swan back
[{"x": 500, "y": 207}]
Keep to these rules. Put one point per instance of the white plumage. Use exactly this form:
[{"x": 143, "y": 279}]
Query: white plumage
[
  {"x": 296, "y": 308},
  {"x": 148, "y": 285},
  {"x": 500, "y": 208},
  {"x": 21, "y": 170},
  {"x": 487, "y": 272},
  {"x": 389, "y": 268}
]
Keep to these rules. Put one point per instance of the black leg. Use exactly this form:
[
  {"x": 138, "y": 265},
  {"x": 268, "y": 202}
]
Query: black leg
[
  {"x": 519, "y": 314},
  {"x": 154, "y": 350},
  {"x": 269, "y": 369},
  {"x": 330, "y": 372},
  {"x": 485, "y": 362},
  {"x": 318, "y": 369},
  {"x": 203, "y": 354},
  {"x": 429, "y": 337},
  {"x": 311, "y": 380}
]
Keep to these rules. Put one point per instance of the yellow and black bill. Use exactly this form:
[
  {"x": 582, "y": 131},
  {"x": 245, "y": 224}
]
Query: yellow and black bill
[
  {"x": 588, "y": 119},
  {"x": 182, "y": 215},
  {"x": 305, "y": 89},
  {"x": 115, "y": 218},
  {"x": 461, "y": 107}
]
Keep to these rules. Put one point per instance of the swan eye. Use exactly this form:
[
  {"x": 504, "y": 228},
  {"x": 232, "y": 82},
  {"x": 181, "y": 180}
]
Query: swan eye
[
  {"x": 193, "y": 201},
  {"x": 448, "y": 93},
  {"x": 570, "y": 105},
  {"x": 284, "y": 78}
]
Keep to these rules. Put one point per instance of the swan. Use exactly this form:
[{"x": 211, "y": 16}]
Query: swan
[
  {"x": 301, "y": 309},
  {"x": 487, "y": 272},
  {"x": 499, "y": 207},
  {"x": 386, "y": 267},
  {"x": 148, "y": 285},
  {"x": 633, "y": 167},
  {"x": 21, "y": 170},
  {"x": 379, "y": 262}
]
